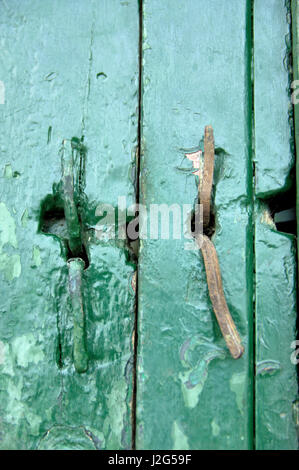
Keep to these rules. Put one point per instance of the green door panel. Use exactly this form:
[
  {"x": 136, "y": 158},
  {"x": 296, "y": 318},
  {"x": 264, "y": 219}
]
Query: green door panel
[
  {"x": 65, "y": 76},
  {"x": 196, "y": 71},
  {"x": 275, "y": 256},
  {"x": 71, "y": 72},
  {"x": 276, "y": 378},
  {"x": 272, "y": 104},
  {"x": 295, "y": 37}
]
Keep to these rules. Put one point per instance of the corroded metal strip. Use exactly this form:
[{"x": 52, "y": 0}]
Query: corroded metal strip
[
  {"x": 225, "y": 321},
  {"x": 75, "y": 269},
  {"x": 70, "y": 209},
  {"x": 205, "y": 189}
]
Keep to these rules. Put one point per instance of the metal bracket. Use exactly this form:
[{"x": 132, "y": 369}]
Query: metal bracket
[
  {"x": 224, "y": 318},
  {"x": 70, "y": 207}
]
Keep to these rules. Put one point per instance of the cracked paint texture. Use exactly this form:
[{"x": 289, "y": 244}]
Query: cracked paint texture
[
  {"x": 276, "y": 386},
  {"x": 184, "y": 369},
  {"x": 52, "y": 58}
]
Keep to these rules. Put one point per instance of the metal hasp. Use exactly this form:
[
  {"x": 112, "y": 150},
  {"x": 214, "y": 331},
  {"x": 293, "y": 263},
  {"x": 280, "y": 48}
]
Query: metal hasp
[
  {"x": 70, "y": 208},
  {"x": 75, "y": 271},
  {"x": 75, "y": 265},
  {"x": 225, "y": 321}
]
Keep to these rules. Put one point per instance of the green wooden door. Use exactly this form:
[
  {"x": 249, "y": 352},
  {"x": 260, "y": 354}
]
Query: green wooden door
[
  {"x": 102, "y": 103},
  {"x": 70, "y": 70}
]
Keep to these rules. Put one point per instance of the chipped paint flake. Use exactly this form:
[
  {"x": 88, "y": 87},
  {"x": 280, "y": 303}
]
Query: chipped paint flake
[
  {"x": 24, "y": 218},
  {"x": 194, "y": 378},
  {"x": 26, "y": 350},
  {"x": 8, "y": 171},
  {"x": 237, "y": 386},
  {"x": 10, "y": 264},
  {"x": 2, "y": 353},
  {"x": 180, "y": 440},
  {"x": 7, "y": 228},
  {"x": 267, "y": 219},
  {"x": 268, "y": 367},
  {"x": 195, "y": 158},
  {"x": 215, "y": 428},
  {"x": 36, "y": 256}
]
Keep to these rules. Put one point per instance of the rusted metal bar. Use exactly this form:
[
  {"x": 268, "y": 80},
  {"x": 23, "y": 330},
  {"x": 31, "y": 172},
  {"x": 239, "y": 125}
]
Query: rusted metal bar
[
  {"x": 224, "y": 318},
  {"x": 225, "y": 321},
  {"x": 75, "y": 271},
  {"x": 205, "y": 189},
  {"x": 70, "y": 208}
]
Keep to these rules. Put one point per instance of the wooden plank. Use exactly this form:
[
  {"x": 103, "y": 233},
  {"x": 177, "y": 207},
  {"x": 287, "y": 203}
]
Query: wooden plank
[
  {"x": 276, "y": 381},
  {"x": 196, "y": 71},
  {"x": 64, "y": 75},
  {"x": 295, "y": 100},
  {"x": 273, "y": 157},
  {"x": 276, "y": 378}
]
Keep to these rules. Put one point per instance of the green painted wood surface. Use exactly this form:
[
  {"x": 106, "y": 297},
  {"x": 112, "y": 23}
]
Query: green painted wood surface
[
  {"x": 70, "y": 69},
  {"x": 76, "y": 75},
  {"x": 295, "y": 44},
  {"x": 191, "y": 394},
  {"x": 276, "y": 378},
  {"x": 275, "y": 257},
  {"x": 272, "y": 104}
]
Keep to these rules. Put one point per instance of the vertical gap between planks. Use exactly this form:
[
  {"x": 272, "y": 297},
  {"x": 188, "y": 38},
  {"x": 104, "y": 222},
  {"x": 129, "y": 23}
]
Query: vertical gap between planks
[
  {"x": 138, "y": 153},
  {"x": 251, "y": 149},
  {"x": 251, "y": 201},
  {"x": 293, "y": 31}
]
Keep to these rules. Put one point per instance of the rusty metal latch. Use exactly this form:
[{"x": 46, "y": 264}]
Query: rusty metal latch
[
  {"x": 76, "y": 264},
  {"x": 224, "y": 318},
  {"x": 75, "y": 271},
  {"x": 70, "y": 208}
]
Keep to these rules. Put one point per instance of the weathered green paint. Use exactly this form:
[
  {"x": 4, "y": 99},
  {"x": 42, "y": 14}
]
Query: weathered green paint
[
  {"x": 75, "y": 273},
  {"x": 71, "y": 74},
  {"x": 295, "y": 44},
  {"x": 195, "y": 74},
  {"x": 275, "y": 258},
  {"x": 70, "y": 201},
  {"x": 272, "y": 104},
  {"x": 53, "y": 56},
  {"x": 276, "y": 378}
]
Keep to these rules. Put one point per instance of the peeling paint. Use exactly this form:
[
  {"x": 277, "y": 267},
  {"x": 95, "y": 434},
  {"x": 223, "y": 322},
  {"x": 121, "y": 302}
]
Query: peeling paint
[
  {"x": 2, "y": 353},
  {"x": 180, "y": 440},
  {"x": 237, "y": 385},
  {"x": 24, "y": 218},
  {"x": 215, "y": 428},
  {"x": 193, "y": 379},
  {"x": 66, "y": 438},
  {"x": 10, "y": 264},
  {"x": 116, "y": 412},
  {"x": 26, "y": 350},
  {"x": 36, "y": 256},
  {"x": 267, "y": 219},
  {"x": 7, "y": 227},
  {"x": 34, "y": 421},
  {"x": 8, "y": 171},
  {"x": 267, "y": 367}
]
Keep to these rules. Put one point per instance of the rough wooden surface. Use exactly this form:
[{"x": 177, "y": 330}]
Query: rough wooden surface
[
  {"x": 70, "y": 69},
  {"x": 275, "y": 257},
  {"x": 191, "y": 394}
]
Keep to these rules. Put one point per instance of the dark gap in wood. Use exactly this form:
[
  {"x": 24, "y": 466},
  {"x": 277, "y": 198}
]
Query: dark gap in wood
[
  {"x": 138, "y": 153},
  {"x": 282, "y": 209},
  {"x": 251, "y": 151},
  {"x": 52, "y": 222},
  {"x": 292, "y": 77}
]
